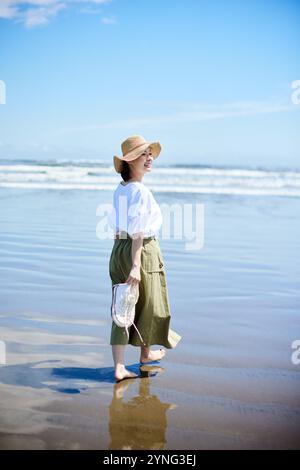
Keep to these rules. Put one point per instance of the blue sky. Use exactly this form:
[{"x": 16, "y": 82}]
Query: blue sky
[{"x": 211, "y": 80}]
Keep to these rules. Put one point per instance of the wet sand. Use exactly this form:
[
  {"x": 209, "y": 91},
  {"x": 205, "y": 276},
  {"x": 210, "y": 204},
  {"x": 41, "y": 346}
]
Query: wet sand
[{"x": 229, "y": 384}]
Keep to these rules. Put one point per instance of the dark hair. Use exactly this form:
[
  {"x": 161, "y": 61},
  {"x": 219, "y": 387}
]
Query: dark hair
[{"x": 125, "y": 171}]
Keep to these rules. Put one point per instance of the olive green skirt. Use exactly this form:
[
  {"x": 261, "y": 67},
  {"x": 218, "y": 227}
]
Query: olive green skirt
[{"x": 152, "y": 310}]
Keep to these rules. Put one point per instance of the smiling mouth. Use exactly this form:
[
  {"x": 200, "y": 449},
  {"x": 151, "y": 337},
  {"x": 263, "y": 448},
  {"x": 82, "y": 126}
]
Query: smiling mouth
[{"x": 147, "y": 164}]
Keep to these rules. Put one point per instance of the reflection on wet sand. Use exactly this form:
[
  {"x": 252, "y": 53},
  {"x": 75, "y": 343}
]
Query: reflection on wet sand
[
  {"x": 39, "y": 404},
  {"x": 141, "y": 422}
]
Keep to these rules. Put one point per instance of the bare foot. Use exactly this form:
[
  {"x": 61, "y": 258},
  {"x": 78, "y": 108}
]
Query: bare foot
[
  {"x": 153, "y": 356},
  {"x": 150, "y": 370},
  {"x": 120, "y": 388},
  {"x": 121, "y": 373}
]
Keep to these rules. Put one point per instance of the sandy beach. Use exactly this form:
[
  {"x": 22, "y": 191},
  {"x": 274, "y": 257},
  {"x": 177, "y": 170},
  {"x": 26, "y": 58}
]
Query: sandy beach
[{"x": 230, "y": 383}]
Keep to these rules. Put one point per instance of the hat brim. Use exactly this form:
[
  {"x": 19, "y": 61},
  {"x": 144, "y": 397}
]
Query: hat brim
[{"x": 136, "y": 153}]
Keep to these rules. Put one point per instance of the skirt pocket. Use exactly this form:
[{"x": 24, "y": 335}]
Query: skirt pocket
[{"x": 153, "y": 264}]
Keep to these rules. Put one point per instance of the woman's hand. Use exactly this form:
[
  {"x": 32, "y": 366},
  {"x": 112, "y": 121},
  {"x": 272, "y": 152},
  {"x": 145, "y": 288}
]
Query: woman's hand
[{"x": 134, "y": 275}]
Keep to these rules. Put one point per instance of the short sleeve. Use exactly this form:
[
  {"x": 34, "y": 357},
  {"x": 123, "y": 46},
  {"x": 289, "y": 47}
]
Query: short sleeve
[{"x": 138, "y": 212}]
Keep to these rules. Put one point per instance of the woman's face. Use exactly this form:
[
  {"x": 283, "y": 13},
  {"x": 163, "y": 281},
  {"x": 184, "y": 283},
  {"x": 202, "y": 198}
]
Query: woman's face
[{"x": 143, "y": 163}]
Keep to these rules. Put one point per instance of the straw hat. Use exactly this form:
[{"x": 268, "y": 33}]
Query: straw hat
[{"x": 132, "y": 148}]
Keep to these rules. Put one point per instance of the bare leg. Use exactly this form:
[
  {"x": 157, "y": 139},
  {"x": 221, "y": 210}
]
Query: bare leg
[
  {"x": 149, "y": 356},
  {"x": 120, "y": 371}
]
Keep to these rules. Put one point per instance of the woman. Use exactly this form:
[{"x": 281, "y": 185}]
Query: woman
[{"x": 136, "y": 257}]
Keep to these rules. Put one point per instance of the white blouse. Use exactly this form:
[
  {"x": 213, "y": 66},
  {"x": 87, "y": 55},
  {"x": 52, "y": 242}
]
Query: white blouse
[{"x": 135, "y": 210}]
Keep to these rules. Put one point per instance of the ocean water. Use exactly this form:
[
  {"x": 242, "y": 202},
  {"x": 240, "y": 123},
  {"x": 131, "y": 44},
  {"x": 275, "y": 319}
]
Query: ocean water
[
  {"x": 93, "y": 175},
  {"x": 53, "y": 262},
  {"x": 236, "y": 302}
]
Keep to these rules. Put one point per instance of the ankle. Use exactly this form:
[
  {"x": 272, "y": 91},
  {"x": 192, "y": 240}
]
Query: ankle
[{"x": 145, "y": 352}]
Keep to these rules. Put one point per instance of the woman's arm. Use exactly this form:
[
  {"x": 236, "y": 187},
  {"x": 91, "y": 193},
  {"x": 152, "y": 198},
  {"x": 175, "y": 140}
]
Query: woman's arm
[{"x": 136, "y": 251}]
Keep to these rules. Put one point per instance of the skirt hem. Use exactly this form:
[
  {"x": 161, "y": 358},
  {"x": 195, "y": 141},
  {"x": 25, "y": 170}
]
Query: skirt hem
[{"x": 171, "y": 343}]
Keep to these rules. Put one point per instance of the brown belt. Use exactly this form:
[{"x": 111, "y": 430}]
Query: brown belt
[{"x": 126, "y": 235}]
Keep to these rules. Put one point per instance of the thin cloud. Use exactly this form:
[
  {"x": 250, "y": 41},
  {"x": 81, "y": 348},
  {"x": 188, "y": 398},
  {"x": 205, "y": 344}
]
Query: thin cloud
[
  {"x": 8, "y": 10},
  {"x": 90, "y": 11},
  {"x": 42, "y": 15},
  {"x": 196, "y": 113},
  {"x": 106, "y": 20},
  {"x": 39, "y": 12}
]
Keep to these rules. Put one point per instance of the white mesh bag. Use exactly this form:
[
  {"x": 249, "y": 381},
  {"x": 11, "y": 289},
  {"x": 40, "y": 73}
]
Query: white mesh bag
[{"x": 124, "y": 298}]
